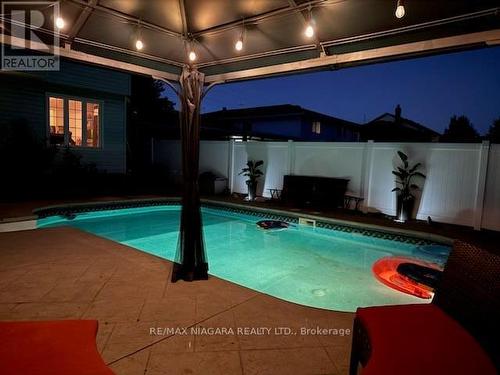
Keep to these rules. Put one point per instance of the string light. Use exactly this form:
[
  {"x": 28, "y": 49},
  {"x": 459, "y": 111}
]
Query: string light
[
  {"x": 60, "y": 23},
  {"x": 239, "y": 45},
  {"x": 400, "y": 9},
  {"x": 189, "y": 46},
  {"x": 309, "y": 31},
  {"x": 139, "y": 45}
]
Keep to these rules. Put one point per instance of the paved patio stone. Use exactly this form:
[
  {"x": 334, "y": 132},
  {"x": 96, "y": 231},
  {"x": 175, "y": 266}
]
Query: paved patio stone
[
  {"x": 217, "y": 342},
  {"x": 126, "y": 338},
  {"x": 340, "y": 356},
  {"x": 48, "y": 310},
  {"x": 207, "y": 363},
  {"x": 176, "y": 343},
  {"x": 287, "y": 361},
  {"x": 64, "y": 273},
  {"x": 134, "y": 364},
  {"x": 6, "y": 310},
  {"x": 74, "y": 291},
  {"x": 169, "y": 309},
  {"x": 103, "y": 335}
]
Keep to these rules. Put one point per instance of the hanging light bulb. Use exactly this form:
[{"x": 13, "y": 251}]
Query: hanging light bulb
[
  {"x": 139, "y": 44},
  {"x": 400, "y": 9},
  {"x": 309, "y": 31},
  {"x": 60, "y": 23},
  {"x": 192, "y": 56},
  {"x": 239, "y": 45}
]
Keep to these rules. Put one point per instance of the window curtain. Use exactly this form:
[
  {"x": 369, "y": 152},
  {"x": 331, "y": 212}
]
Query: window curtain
[{"x": 190, "y": 261}]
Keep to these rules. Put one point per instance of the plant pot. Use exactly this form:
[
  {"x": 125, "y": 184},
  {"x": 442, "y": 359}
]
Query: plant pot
[
  {"x": 404, "y": 208},
  {"x": 252, "y": 190}
]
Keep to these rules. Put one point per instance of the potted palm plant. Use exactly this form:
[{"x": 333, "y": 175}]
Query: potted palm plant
[
  {"x": 404, "y": 178},
  {"x": 253, "y": 173}
]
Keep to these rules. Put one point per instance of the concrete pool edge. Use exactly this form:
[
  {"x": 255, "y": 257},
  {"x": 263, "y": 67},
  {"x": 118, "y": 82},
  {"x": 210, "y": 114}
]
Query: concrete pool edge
[
  {"x": 352, "y": 224},
  {"x": 331, "y": 223}
]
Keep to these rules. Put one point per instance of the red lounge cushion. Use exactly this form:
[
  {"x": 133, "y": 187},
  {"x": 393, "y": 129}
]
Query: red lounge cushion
[
  {"x": 420, "y": 339},
  {"x": 54, "y": 348}
]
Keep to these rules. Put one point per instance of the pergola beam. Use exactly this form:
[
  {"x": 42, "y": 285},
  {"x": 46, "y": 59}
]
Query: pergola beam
[
  {"x": 80, "y": 21},
  {"x": 384, "y": 53},
  {"x": 115, "y": 64},
  {"x": 93, "y": 59},
  {"x": 182, "y": 8}
]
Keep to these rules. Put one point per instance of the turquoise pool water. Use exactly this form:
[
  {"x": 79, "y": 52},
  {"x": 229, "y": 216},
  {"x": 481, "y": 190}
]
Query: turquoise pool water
[{"x": 316, "y": 267}]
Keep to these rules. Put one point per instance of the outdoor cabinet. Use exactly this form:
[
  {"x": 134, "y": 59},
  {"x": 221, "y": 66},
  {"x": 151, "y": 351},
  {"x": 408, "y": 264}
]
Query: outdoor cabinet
[{"x": 314, "y": 192}]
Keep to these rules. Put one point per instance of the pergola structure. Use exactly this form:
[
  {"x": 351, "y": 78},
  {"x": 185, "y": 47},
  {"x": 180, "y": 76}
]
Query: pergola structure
[
  {"x": 346, "y": 33},
  {"x": 206, "y": 42}
]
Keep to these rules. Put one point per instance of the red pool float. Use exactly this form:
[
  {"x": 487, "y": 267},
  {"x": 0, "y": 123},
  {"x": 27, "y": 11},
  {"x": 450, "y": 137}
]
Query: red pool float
[{"x": 385, "y": 271}]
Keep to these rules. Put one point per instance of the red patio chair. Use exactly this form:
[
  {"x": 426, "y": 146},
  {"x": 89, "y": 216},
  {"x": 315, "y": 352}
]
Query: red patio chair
[
  {"x": 455, "y": 334},
  {"x": 52, "y": 347}
]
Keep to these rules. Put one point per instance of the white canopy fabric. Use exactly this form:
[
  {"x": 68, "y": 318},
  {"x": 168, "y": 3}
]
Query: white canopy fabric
[{"x": 347, "y": 32}]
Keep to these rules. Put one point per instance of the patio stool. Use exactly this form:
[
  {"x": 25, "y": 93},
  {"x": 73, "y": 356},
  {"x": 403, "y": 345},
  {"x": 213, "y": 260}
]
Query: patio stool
[
  {"x": 414, "y": 340},
  {"x": 348, "y": 198},
  {"x": 275, "y": 194},
  {"x": 51, "y": 347}
]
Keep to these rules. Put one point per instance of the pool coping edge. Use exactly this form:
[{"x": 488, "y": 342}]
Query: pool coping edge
[{"x": 396, "y": 234}]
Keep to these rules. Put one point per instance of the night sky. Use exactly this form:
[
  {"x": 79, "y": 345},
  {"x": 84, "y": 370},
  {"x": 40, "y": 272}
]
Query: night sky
[{"x": 430, "y": 90}]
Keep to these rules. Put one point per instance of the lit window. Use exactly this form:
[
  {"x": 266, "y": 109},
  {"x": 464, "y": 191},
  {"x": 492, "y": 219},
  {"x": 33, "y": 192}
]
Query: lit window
[
  {"x": 92, "y": 125},
  {"x": 316, "y": 127},
  {"x": 75, "y": 122},
  {"x": 56, "y": 121},
  {"x": 67, "y": 125}
]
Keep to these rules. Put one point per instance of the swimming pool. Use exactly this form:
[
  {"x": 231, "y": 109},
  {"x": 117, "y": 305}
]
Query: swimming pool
[{"x": 316, "y": 267}]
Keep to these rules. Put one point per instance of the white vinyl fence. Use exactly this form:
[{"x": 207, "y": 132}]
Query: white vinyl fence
[{"x": 462, "y": 184}]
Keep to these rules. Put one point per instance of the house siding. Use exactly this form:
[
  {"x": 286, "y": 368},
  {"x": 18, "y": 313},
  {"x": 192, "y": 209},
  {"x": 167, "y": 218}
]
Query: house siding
[
  {"x": 89, "y": 77},
  {"x": 277, "y": 126},
  {"x": 22, "y": 100},
  {"x": 24, "y": 97}
]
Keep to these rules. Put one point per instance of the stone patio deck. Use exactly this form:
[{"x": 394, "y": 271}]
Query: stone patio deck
[{"x": 64, "y": 273}]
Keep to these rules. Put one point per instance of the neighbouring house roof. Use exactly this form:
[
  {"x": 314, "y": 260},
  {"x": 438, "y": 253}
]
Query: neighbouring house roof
[
  {"x": 390, "y": 127},
  {"x": 404, "y": 122},
  {"x": 219, "y": 124},
  {"x": 241, "y": 121},
  {"x": 275, "y": 111}
]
